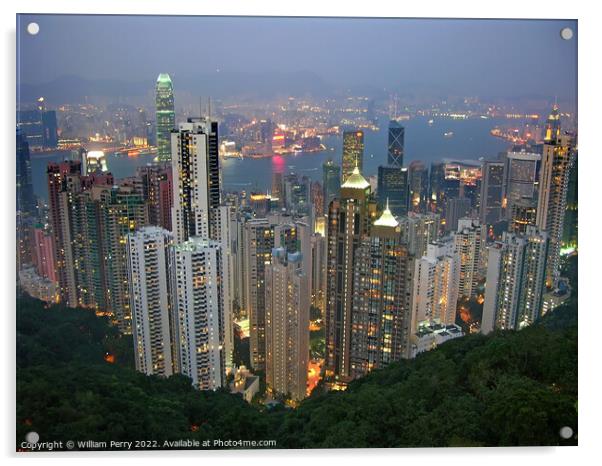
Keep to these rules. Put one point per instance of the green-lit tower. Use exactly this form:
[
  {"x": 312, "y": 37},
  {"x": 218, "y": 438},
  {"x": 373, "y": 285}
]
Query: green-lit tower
[{"x": 166, "y": 119}]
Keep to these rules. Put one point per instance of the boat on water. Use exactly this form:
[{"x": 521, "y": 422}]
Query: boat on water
[{"x": 448, "y": 135}]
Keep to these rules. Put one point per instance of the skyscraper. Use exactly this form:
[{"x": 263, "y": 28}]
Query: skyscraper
[
  {"x": 121, "y": 211},
  {"x": 469, "y": 244},
  {"x": 75, "y": 226},
  {"x": 198, "y": 305},
  {"x": 436, "y": 284},
  {"x": 157, "y": 190},
  {"x": 455, "y": 209},
  {"x": 165, "y": 116},
  {"x": 418, "y": 230},
  {"x": 353, "y": 152},
  {"x": 492, "y": 191},
  {"x": 25, "y": 202},
  {"x": 515, "y": 280},
  {"x": 287, "y": 324},
  {"x": 380, "y": 312},
  {"x": 558, "y": 150},
  {"x": 523, "y": 214},
  {"x": 331, "y": 182},
  {"x": 349, "y": 220},
  {"x": 395, "y": 147},
  {"x": 521, "y": 178},
  {"x": 258, "y": 245},
  {"x": 418, "y": 181},
  {"x": 150, "y": 301},
  {"x": 196, "y": 179},
  {"x": 393, "y": 188}
]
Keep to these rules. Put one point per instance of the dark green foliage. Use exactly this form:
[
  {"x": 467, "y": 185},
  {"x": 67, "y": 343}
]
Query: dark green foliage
[{"x": 508, "y": 388}]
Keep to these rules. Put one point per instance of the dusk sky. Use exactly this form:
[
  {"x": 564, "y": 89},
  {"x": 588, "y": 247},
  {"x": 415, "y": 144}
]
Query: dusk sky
[{"x": 467, "y": 57}]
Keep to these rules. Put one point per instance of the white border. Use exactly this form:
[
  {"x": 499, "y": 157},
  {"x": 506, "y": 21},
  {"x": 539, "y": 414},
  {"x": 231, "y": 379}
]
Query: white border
[{"x": 590, "y": 120}]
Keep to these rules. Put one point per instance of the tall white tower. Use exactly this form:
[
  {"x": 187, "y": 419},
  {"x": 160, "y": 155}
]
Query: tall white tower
[{"x": 150, "y": 299}]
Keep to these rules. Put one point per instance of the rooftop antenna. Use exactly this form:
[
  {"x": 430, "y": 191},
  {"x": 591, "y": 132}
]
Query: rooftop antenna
[
  {"x": 200, "y": 107},
  {"x": 209, "y": 109}
]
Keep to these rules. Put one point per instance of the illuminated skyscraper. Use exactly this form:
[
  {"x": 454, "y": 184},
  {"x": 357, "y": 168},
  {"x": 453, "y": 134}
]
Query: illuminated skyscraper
[
  {"x": 418, "y": 181},
  {"x": 287, "y": 303},
  {"x": 260, "y": 237},
  {"x": 418, "y": 230},
  {"x": 349, "y": 220},
  {"x": 353, "y": 152},
  {"x": 196, "y": 179},
  {"x": 198, "y": 307},
  {"x": 396, "y": 142},
  {"x": 521, "y": 178},
  {"x": 75, "y": 226},
  {"x": 469, "y": 244},
  {"x": 380, "y": 318},
  {"x": 515, "y": 280},
  {"x": 157, "y": 190},
  {"x": 331, "y": 182},
  {"x": 121, "y": 211},
  {"x": 393, "y": 188},
  {"x": 556, "y": 162},
  {"x": 25, "y": 202},
  {"x": 524, "y": 213},
  {"x": 436, "y": 284},
  {"x": 150, "y": 301},
  {"x": 492, "y": 192},
  {"x": 165, "y": 116}
]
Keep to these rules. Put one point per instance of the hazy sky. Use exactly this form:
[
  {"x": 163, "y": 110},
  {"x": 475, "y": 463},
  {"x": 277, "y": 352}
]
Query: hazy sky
[{"x": 468, "y": 57}]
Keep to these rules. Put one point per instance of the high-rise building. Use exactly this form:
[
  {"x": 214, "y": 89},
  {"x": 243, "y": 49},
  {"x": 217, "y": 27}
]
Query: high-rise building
[
  {"x": 515, "y": 280},
  {"x": 26, "y": 205},
  {"x": 393, "y": 188},
  {"x": 121, "y": 211},
  {"x": 395, "y": 147},
  {"x": 258, "y": 245},
  {"x": 318, "y": 274},
  {"x": 196, "y": 179},
  {"x": 198, "y": 307},
  {"x": 492, "y": 192},
  {"x": 39, "y": 127},
  {"x": 455, "y": 209},
  {"x": 469, "y": 239},
  {"x": 349, "y": 220},
  {"x": 353, "y": 153},
  {"x": 418, "y": 184},
  {"x": 380, "y": 317},
  {"x": 44, "y": 254},
  {"x": 150, "y": 301},
  {"x": 331, "y": 182},
  {"x": 569, "y": 237},
  {"x": 558, "y": 151},
  {"x": 523, "y": 214},
  {"x": 75, "y": 225},
  {"x": 287, "y": 324},
  {"x": 418, "y": 230},
  {"x": 157, "y": 190},
  {"x": 165, "y": 116},
  {"x": 444, "y": 184},
  {"x": 521, "y": 178},
  {"x": 436, "y": 284}
]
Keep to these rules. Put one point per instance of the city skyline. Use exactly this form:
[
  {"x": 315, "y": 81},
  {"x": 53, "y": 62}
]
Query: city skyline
[{"x": 276, "y": 249}]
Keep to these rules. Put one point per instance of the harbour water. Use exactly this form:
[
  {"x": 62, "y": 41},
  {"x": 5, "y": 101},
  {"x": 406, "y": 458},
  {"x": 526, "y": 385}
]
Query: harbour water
[{"x": 471, "y": 140}]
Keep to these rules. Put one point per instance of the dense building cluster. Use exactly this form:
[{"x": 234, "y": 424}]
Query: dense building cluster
[{"x": 179, "y": 263}]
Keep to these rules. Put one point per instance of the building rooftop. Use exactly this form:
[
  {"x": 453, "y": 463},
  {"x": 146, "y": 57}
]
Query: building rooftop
[
  {"x": 356, "y": 180},
  {"x": 387, "y": 219}
]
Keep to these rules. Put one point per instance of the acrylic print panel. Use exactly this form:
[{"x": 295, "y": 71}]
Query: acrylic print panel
[{"x": 362, "y": 236}]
